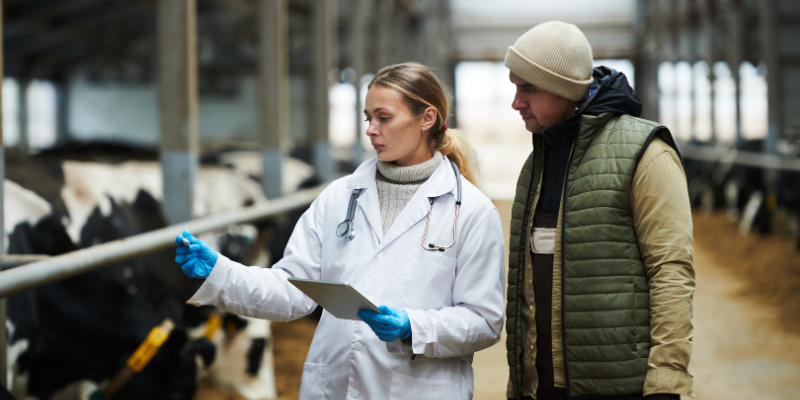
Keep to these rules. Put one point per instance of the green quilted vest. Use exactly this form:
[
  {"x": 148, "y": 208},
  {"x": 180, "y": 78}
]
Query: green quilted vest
[{"x": 605, "y": 296}]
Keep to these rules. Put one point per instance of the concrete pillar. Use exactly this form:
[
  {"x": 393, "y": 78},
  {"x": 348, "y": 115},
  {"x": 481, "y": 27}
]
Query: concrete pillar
[
  {"x": 708, "y": 23},
  {"x": 692, "y": 103},
  {"x": 325, "y": 19},
  {"x": 735, "y": 57},
  {"x": 3, "y": 302},
  {"x": 62, "y": 113},
  {"x": 768, "y": 25},
  {"x": 432, "y": 36},
  {"x": 273, "y": 90},
  {"x": 385, "y": 17},
  {"x": 177, "y": 95},
  {"x": 676, "y": 99},
  {"x": 23, "y": 144},
  {"x": 358, "y": 53},
  {"x": 713, "y": 107},
  {"x": 649, "y": 39},
  {"x": 400, "y": 35}
]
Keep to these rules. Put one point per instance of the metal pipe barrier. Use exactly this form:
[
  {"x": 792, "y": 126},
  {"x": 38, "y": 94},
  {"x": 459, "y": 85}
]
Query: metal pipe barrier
[
  {"x": 8, "y": 261},
  {"x": 728, "y": 155},
  {"x": 67, "y": 265}
]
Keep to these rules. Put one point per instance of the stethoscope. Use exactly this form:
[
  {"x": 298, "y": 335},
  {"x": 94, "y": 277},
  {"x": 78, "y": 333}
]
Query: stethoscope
[{"x": 347, "y": 229}]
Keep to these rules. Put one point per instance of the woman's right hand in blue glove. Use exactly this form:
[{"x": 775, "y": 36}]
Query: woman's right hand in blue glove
[{"x": 196, "y": 259}]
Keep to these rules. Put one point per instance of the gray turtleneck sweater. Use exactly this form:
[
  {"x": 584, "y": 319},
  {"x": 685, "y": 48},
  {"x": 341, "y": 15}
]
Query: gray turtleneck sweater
[{"x": 396, "y": 186}]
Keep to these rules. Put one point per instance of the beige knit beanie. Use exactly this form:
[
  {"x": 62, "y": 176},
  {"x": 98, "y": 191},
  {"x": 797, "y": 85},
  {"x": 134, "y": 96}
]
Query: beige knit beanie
[{"x": 554, "y": 56}]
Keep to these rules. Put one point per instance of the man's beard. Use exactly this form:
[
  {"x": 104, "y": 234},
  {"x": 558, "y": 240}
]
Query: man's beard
[{"x": 535, "y": 127}]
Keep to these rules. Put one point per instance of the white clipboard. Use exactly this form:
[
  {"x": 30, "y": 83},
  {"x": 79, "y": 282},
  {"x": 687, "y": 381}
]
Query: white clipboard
[{"x": 338, "y": 298}]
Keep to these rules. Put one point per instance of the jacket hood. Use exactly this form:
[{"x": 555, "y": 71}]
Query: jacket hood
[{"x": 610, "y": 92}]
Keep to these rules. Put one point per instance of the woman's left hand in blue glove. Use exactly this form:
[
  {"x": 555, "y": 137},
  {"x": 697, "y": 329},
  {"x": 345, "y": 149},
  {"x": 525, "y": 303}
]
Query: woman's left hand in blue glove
[{"x": 391, "y": 324}]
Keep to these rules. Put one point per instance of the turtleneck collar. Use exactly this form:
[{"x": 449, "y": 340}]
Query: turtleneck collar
[{"x": 411, "y": 173}]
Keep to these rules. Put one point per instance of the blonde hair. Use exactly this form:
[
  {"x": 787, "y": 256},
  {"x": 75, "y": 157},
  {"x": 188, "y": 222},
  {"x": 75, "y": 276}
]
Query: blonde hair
[{"x": 422, "y": 89}]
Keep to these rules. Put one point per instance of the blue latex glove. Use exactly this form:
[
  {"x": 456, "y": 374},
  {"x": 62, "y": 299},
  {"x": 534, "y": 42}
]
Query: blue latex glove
[
  {"x": 195, "y": 257},
  {"x": 391, "y": 324}
]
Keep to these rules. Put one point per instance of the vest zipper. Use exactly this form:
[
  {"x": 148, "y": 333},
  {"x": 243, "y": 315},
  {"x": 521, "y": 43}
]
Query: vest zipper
[
  {"x": 528, "y": 234},
  {"x": 563, "y": 223}
]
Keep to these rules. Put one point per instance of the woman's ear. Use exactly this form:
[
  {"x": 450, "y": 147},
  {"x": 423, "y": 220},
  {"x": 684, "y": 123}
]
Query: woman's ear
[{"x": 429, "y": 118}]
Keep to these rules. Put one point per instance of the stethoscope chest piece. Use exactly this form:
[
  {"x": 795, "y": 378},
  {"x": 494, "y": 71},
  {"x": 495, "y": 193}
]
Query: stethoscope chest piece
[{"x": 346, "y": 230}]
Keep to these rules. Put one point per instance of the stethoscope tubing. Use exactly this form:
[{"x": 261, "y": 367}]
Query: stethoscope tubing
[{"x": 346, "y": 228}]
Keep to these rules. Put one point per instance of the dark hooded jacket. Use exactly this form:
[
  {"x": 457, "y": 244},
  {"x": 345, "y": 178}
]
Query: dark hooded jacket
[{"x": 609, "y": 92}]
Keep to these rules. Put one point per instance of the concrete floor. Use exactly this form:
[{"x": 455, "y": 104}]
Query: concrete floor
[{"x": 740, "y": 353}]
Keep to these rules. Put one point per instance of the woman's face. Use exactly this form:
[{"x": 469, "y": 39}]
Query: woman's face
[{"x": 395, "y": 133}]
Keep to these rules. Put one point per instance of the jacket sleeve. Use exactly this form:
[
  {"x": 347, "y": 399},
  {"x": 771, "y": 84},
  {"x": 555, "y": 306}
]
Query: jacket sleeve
[
  {"x": 662, "y": 220},
  {"x": 475, "y": 320},
  {"x": 266, "y": 292}
]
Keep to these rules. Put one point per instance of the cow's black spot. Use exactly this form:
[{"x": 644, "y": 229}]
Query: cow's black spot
[
  {"x": 235, "y": 247},
  {"x": 233, "y": 323},
  {"x": 4, "y": 394},
  {"x": 205, "y": 349},
  {"x": 254, "y": 355}
]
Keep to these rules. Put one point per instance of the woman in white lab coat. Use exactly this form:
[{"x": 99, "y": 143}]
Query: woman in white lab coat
[{"x": 438, "y": 306}]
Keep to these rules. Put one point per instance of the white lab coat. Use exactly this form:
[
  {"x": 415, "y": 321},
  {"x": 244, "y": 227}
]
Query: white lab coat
[{"x": 454, "y": 299}]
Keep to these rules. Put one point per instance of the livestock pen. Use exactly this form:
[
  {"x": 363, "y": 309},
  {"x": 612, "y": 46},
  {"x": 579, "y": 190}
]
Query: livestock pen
[{"x": 44, "y": 270}]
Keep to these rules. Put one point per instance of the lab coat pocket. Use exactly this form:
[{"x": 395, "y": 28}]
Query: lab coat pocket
[
  {"x": 313, "y": 382},
  {"x": 427, "y": 281},
  {"x": 408, "y": 387}
]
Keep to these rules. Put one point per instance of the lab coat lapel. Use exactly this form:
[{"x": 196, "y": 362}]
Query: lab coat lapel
[
  {"x": 441, "y": 182},
  {"x": 364, "y": 178}
]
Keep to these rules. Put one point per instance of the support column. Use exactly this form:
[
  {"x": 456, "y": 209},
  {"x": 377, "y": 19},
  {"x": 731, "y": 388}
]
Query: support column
[
  {"x": 359, "y": 65},
  {"x": 708, "y": 21},
  {"x": 273, "y": 90},
  {"x": 768, "y": 21},
  {"x": 676, "y": 99},
  {"x": 735, "y": 57},
  {"x": 432, "y": 36},
  {"x": 692, "y": 103},
  {"x": 3, "y": 303},
  {"x": 62, "y": 114},
  {"x": 177, "y": 95},
  {"x": 23, "y": 142},
  {"x": 400, "y": 39},
  {"x": 648, "y": 36},
  {"x": 325, "y": 18},
  {"x": 386, "y": 49}
]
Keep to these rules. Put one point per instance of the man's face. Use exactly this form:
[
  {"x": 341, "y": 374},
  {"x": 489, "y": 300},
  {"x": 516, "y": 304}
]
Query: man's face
[{"x": 539, "y": 109}]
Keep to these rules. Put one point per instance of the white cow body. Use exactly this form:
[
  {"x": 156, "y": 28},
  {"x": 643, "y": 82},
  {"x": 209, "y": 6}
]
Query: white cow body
[
  {"x": 21, "y": 205},
  {"x": 88, "y": 185},
  {"x": 229, "y": 368},
  {"x": 293, "y": 171}
]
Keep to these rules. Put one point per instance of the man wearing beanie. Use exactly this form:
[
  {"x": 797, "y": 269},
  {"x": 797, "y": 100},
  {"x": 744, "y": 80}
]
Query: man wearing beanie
[{"x": 600, "y": 264}]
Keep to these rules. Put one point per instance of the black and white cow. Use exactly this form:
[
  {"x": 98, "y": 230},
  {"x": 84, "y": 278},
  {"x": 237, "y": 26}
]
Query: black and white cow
[
  {"x": 88, "y": 325},
  {"x": 83, "y": 329}
]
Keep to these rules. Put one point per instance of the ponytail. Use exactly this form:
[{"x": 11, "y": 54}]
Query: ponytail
[
  {"x": 455, "y": 146},
  {"x": 422, "y": 89}
]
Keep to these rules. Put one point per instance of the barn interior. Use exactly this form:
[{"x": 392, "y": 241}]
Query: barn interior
[{"x": 132, "y": 119}]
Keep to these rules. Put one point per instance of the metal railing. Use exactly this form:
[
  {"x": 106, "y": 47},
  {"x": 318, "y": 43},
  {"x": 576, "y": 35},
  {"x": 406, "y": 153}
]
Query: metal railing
[{"x": 733, "y": 156}]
